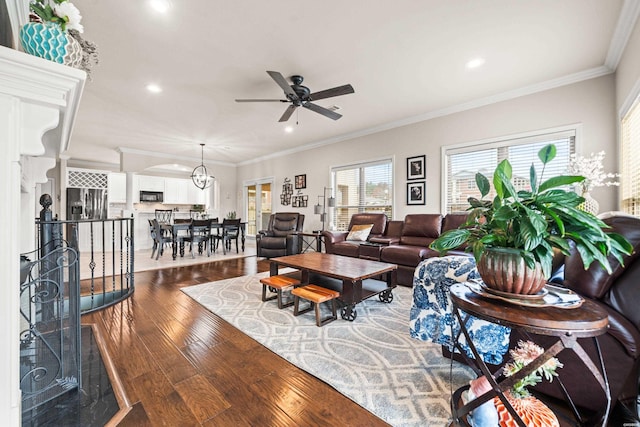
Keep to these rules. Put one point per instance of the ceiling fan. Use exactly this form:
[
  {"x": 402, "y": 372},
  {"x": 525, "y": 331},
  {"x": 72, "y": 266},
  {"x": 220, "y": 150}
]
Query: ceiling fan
[{"x": 301, "y": 96}]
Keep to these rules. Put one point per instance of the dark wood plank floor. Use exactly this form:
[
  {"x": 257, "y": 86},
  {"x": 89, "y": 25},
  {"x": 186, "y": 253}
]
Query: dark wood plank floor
[{"x": 181, "y": 365}]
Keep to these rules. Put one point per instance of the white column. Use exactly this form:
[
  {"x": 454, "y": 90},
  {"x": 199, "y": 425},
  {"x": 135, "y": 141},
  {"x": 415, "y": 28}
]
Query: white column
[
  {"x": 34, "y": 171},
  {"x": 35, "y": 96},
  {"x": 131, "y": 176}
]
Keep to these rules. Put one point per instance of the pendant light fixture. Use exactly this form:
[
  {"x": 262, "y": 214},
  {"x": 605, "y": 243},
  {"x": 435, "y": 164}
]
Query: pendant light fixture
[{"x": 200, "y": 176}]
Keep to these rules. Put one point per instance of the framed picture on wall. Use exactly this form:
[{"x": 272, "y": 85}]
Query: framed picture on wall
[
  {"x": 416, "y": 167},
  {"x": 301, "y": 181},
  {"x": 415, "y": 193}
]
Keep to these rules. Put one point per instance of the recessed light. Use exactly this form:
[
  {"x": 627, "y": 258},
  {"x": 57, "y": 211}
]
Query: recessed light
[
  {"x": 288, "y": 129},
  {"x": 161, "y": 6},
  {"x": 154, "y": 88},
  {"x": 475, "y": 63}
]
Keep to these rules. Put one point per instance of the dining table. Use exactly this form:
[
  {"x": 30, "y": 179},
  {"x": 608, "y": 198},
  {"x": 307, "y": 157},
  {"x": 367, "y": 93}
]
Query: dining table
[{"x": 180, "y": 229}]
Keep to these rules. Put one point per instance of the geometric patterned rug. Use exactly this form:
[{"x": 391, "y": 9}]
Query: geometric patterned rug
[{"x": 372, "y": 360}]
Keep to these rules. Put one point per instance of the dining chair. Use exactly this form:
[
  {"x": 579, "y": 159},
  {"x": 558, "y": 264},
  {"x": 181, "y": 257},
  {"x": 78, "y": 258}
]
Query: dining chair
[
  {"x": 159, "y": 238},
  {"x": 230, "y": 231},
  {"x": 164, "y": 216},
  {"x": 199, "y": 233}
]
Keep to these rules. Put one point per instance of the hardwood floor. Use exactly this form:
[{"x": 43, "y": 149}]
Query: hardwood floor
[{"x": 181, "y": 365}]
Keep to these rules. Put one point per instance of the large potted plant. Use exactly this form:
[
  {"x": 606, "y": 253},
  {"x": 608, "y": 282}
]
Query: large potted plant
[{"x": 517, "y": 231}]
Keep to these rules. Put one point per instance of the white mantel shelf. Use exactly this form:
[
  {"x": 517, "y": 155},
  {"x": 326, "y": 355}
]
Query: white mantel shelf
[
  {"x": 44, "y": 83},
  {"x": 39, "y": 100}
]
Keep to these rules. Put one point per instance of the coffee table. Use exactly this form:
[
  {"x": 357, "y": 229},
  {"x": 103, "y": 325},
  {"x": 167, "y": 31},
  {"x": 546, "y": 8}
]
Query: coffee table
[{"x": 352, "y": 277}]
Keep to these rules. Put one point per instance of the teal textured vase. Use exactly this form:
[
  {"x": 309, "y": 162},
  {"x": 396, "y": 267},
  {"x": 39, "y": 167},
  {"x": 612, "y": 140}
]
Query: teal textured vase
[{"x": 47, "y": 40}]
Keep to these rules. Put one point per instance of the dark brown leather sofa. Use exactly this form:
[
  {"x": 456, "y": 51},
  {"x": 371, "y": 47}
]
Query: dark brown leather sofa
[
  {"x": 404, "y": 243},
  {"x": 619, "y": 295},
  {"x": 280, "y": 238},
  {"x": 336, "y": 241}
]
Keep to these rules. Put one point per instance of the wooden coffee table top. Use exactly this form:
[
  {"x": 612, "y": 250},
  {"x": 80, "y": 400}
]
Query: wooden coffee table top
[{"x": 337, "y": 266}]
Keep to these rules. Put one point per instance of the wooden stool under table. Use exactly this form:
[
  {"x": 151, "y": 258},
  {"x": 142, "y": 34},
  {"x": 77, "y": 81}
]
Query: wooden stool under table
[
  {"x": 278, "y": 284},
  {"x": 316, "y": 295}
]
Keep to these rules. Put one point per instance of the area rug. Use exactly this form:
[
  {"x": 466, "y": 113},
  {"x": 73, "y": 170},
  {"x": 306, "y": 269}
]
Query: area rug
[{"x": 371, "y": 360}]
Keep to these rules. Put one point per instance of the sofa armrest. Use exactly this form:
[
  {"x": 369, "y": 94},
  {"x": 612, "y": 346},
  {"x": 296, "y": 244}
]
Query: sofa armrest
[
  {"x": 293, "y": 244},
  {"x": 385, "y": 241},
  {"x": 333, "y": 237}
]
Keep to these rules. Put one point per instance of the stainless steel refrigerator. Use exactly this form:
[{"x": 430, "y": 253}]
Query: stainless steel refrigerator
[{"x": 86, "y": 203}]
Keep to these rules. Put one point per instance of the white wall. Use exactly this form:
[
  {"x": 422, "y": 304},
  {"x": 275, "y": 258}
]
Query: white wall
[
  {"x": 628, "y": 71},
  {"x": 590, "y": 103}
]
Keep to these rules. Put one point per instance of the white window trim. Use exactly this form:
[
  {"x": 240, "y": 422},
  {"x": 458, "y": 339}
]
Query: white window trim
[{"x": 489, "y": 142}]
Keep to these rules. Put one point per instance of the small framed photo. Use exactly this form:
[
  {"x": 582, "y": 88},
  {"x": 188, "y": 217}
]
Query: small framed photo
[
  {"x": 415, "y": 193},
  {"x": 416, "y": 167},
  {"x": 301, "y": 181}
]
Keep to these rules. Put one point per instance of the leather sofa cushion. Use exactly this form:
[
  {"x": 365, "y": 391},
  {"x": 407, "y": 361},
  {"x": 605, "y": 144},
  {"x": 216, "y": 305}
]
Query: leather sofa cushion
[
  {"x": 379, "y": 221},
  {"x": 420, "y": 229},
  {"x": 624, "y": 296},
  {"x": 268, "y": 242},
  {"x": 403, "y": 254},
  {"x": 595, "y": 281},
  {"x": 347, "y": 248},
  {"x": 284, "y": 224},
  {"x": 453, "y": 220},
  {"x": 623, "y": 330}
]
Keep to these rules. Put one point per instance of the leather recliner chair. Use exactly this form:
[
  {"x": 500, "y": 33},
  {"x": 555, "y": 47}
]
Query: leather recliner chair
[
  {"x": 280, "y": 238},
  {"x": 619, "y": 295}
]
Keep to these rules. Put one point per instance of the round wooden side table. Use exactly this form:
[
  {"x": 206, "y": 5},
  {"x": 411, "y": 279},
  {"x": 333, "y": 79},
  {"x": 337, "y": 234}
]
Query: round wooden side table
[{"x": 586, "y": 321}]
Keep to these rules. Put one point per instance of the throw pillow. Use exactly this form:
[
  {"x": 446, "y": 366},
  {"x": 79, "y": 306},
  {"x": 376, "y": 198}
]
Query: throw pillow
[{"x": 359, "y": 233}]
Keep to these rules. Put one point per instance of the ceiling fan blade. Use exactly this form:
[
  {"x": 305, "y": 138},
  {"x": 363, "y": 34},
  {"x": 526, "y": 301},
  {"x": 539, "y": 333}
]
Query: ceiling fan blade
[
  {"x": 262, "y": 100},
  {"x": 288, "y": 112},
  {"x": 321, "y": 110},
  {"x": 280, "y": 80},
  {"x": 336, "y": 91}
]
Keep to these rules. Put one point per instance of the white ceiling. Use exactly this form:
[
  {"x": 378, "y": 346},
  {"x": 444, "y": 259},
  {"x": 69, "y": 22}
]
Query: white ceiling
[{"x": 405, "y": 59}]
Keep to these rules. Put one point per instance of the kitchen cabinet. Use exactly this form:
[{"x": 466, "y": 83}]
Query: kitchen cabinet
[
  {"x": 176, "y": 191},
  {"x": 117, "y": 187},
  {"x": 150, "y": 183},
  {"x": 196, "y": 195}
]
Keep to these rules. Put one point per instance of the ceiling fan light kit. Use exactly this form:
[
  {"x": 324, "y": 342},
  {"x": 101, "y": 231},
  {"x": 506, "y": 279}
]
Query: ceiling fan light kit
[
  {"x": 301, "y": 96},
  {"x": 200, "y": 176}
]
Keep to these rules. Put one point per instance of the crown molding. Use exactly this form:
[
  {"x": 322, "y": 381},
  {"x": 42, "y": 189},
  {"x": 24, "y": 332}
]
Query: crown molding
[
  {"x": 626, "y": 22},
  {"x": 476, "y": 103}
]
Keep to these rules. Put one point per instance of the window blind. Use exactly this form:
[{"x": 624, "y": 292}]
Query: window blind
[
  {"x": 365, "y": 187},
  {"x": 462, "y": 164},
  {"x": 630, "y": 178}
]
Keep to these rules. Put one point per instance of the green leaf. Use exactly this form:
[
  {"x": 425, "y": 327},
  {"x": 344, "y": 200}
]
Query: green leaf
[
  {"x": 558, "y": 181},
  {"x": 533, "y": 178},
  {"x": 505, "y": 213},
  {"x": 476, "y": 203},
  {"x": 504, "y": 177},
  {"x": 478, "y": 249},
  {"x": 547, "y": 153},
  {"x": 560, "y": 244},
  {"x": 529, "y": 259},
  {"x": 483, "y": 184},
  {"x": 449, "y": 240}
]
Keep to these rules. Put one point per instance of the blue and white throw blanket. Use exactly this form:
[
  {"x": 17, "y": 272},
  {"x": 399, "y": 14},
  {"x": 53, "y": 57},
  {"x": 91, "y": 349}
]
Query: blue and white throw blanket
[{"x": 432, "y": 318}]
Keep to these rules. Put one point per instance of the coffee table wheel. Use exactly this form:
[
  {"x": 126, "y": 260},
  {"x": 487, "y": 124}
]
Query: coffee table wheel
[
  {"x": 349, "y": 313},
  {"x": 386, "y": 296}
]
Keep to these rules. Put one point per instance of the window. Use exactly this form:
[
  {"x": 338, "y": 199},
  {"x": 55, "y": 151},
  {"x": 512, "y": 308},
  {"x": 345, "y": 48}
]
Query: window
[
  {"x": 630, "y": 178},
  {"x": 365, "y": 187},
  {"x": 463, "y": 162}
]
